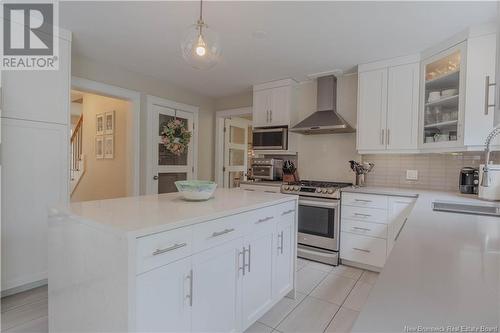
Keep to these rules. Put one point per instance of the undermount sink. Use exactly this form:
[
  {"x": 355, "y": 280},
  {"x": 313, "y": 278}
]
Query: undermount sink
[{"x": 466, "y": 208}]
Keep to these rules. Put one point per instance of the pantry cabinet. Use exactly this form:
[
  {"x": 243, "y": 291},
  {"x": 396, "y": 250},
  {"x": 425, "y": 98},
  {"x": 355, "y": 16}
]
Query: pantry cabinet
[
  {"x": 388, "y": 106},
  {"x": 272, "y": 103}
]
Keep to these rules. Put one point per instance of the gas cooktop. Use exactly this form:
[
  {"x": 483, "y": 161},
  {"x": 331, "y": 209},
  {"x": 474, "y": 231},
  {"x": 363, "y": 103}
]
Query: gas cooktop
[{"x": 315, "y": 188}]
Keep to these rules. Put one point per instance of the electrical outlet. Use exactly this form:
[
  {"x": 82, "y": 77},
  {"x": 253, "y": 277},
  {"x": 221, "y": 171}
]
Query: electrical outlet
[{"x": 411, "y": 174}]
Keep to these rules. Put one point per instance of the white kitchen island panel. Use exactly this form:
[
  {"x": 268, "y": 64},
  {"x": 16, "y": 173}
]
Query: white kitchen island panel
[{"x": 159, "y": 263}]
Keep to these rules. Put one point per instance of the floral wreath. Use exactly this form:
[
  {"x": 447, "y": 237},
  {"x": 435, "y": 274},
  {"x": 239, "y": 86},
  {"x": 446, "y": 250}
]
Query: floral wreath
[{"x": 175, "y": 137}]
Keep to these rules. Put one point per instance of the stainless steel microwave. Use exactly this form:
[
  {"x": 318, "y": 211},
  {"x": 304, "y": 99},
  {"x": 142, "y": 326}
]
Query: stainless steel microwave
[{"x": 275, "y": 138}]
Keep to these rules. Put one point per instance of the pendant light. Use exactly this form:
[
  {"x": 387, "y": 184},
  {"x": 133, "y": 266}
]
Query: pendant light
[{"x": 200, "y": 46}]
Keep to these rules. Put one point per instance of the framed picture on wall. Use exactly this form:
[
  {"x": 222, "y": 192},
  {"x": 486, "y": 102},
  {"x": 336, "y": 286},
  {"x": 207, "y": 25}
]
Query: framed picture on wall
[
  {"x": 99, "y": 124},
  {"x": 109, "y": 122},
  {"x": 99, "y": 147},
  {"x": 109, "y": 152}
]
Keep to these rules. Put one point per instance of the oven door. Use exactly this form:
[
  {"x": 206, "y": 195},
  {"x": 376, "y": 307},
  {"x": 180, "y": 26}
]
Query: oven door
[
  {"x": 270, "y": 138},
  {"x": 318, "y": 223},
  {"x": 262, "y": 172}
]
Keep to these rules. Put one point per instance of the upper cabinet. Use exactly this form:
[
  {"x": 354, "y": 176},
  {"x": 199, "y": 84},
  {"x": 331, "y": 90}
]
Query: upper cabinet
[
  {"x": 457, "y": 96},
  {"x": 272, "y": 103},
  {"x": 388, "y": 105}
]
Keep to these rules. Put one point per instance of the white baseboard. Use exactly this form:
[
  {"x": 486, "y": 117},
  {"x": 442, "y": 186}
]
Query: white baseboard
[{"x": 24, "y": 287}]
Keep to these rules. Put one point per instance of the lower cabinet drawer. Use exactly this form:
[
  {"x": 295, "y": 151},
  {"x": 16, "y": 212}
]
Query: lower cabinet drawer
[
  {"x": 364, "y": 214},
  {"x": 159, "y": 249},
  {"x": 364, "y": 200},
  {"x": 215, "y": 232},
  {"x": 364, "y": 228},
  {"x": 363, "y": 249}
]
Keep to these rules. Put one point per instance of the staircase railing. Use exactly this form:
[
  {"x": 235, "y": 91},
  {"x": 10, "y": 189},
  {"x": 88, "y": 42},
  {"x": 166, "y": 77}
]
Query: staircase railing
[{"x": 76, "y": 149}]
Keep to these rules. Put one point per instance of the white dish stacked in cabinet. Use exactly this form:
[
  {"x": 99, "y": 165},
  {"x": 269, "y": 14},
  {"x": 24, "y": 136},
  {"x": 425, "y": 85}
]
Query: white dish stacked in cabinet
[{"x": 370, "y": 224}]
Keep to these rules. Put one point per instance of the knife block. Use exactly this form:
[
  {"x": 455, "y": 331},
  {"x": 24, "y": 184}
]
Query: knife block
[{"x": 291, "y": 178}]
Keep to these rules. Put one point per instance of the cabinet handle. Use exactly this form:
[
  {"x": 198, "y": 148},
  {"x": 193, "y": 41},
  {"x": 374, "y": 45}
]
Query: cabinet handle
[
  {"x": 400, "y": 229},
  {"x": 281, "y": 241},
  {"x": 267, "y": 116},
  {"x": 271, "y": 115},
  {"x": 264, "y": 219},
  {"x": 382, "y": 137},
  {"x": 362, "y": 215},
  {"x": 242, "y": 268},
  {"x": 288, "y": 212},
  {"x": 362, "y": 200},
  {"x": 249, "y": 250},
  {"x": 168, "y": 249},
  {"x": 388, "y": 136},
  {"x": 487, "y": 104},
  {"x": 403, "y": 202},
  {"x": 223, "y": 232},
  {"x": 249, "y": 189},
  {"x": 362, "y": 250},
  {"x": 270, "y": 192},
  {"x": 190, "y": 295},
  {"x": 359, "y": 228}
]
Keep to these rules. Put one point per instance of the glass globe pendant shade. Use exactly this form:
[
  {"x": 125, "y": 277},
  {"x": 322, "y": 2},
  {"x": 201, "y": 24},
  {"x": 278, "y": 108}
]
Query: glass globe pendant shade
[{"x": 200, "y": 46}]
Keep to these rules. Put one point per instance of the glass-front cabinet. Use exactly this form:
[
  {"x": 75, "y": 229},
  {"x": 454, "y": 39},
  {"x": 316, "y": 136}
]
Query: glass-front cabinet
[{"x": 442, "y": 104}]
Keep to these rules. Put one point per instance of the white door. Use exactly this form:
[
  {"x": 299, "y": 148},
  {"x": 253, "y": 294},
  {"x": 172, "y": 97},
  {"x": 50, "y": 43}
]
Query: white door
[
  {"x": 402, "y": 107},
  {"x": 235, "y": 151},
  {"x": 284, "y": 249},
  {"x": 163, "y": 298},
  {"x": 167, "y": 168},
  {"x": 372, "y": 91},
  {"x": 257, "y": 282},
  {"x": 261, "y": 107},
  {"x": 280, "y": 100},
  {"x": 216, "y": 289}
]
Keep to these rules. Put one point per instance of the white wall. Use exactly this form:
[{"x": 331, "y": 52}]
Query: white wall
[
  {"x": 147, "y": 85},
  {"x": 320, "y": 156}
]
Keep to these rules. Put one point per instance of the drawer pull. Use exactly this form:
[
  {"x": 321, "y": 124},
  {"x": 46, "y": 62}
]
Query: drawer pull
[
  {"x": 362, "y": 215},
  {"x": 270, "y": 192},
  {"x": 288, "y": 212},
  {"x": 362, "y": 250},
  {"x": 264, "y": 219},
  {"x": 362, "y": 200},
  {"x": 223, "y": 232},
  {"x": 168, "y": 249},
  {"x": 249, "y": 189},
  {"x": 359, "y": 228}
]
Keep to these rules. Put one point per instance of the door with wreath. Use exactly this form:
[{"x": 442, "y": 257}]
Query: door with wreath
[{"x": 173, "y": 153}]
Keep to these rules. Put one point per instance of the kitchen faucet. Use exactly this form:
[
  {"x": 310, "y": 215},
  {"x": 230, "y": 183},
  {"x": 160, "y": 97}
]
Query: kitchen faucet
[{"x": 485, "y": 182}]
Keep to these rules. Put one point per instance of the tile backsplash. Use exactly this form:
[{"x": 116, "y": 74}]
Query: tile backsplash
[{"x": 435, "y": 171}]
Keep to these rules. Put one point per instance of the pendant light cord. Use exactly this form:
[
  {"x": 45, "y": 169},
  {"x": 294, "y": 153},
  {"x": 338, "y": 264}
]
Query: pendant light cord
[{"x": 201, "y": 10}]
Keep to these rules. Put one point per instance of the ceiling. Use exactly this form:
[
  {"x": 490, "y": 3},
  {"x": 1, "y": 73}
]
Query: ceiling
[{"x": 261, "y": 41}]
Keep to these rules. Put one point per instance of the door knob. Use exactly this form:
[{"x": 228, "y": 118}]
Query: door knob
[{"x": 155, "y": 177}]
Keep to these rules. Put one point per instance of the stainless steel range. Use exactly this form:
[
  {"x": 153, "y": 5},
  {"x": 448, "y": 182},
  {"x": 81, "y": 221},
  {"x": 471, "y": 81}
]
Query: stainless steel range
[{"x": 319, "y": 219}]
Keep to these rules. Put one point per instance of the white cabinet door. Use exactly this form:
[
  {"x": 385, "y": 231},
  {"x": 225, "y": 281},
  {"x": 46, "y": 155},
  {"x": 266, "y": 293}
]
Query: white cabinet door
[
  {"x": 284, "y": 258},
  {"x": 34, "y": 178},
  {"x": 163, "y": 298},
  {"x": 216, "y": 289},
  {"x": 372, "y": 110},
  {"x": 39, "y": 95},
  {"x": 399, "y": 209},
  {"x": 280, "y": 107},
  {"x": 257, "y": 282},
  {"x": 402, "y": 107},
  {"x": 480, "y": 65},
  {"x": 262, "y": 107}
]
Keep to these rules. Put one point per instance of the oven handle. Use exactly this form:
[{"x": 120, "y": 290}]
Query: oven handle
[{"x": 318, "y": 203}]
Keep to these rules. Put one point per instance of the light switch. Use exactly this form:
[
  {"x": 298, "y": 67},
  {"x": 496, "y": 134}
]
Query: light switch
[{"x": 411, "y": 174}]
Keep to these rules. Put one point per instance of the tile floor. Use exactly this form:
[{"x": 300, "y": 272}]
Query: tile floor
[{"x": 328, "y": 300}]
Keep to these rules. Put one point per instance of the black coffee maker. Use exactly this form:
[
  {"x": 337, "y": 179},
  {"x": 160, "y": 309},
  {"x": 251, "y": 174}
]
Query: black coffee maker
[{"x": 469, "y": 180}]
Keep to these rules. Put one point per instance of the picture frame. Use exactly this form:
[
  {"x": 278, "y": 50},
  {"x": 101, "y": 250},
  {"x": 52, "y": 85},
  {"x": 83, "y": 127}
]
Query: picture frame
[
  {"x": 99, "y": 124},
  {"x": 108, "y": 147},
  {"x": 109, "y": 122},
  {"x": 99, "y": 147}
]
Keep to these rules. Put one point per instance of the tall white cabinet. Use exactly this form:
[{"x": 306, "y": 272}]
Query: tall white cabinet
[
  {"x": 388, "y": 105},
  {"x": 35, "y": 144}
]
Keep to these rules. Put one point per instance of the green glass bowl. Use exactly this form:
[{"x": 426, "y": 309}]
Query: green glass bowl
[{"x": 196, "y": 190}]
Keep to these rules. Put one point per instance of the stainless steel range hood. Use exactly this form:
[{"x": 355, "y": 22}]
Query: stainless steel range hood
[{"x": 326, "y": 119}]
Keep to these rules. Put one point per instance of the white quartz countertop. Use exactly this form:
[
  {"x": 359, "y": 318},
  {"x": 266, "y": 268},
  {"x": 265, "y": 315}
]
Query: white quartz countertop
[
  {"x": 444, "y": 271},
  {"x": 143, "y": 215}
]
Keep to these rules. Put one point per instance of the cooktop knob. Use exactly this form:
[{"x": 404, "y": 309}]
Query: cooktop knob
[
  {"x": 330, "y": 191},
  {"x": 318, "y": 190},
  {"x": 296, "y": 188},
  {"x": 324, "y": 190},
  {"x": 286, "y": 187}
]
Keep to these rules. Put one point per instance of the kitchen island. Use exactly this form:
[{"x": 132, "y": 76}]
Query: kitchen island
[
  {"x": 443, "y": 274},
  {"x": 159, "y": 263}
]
